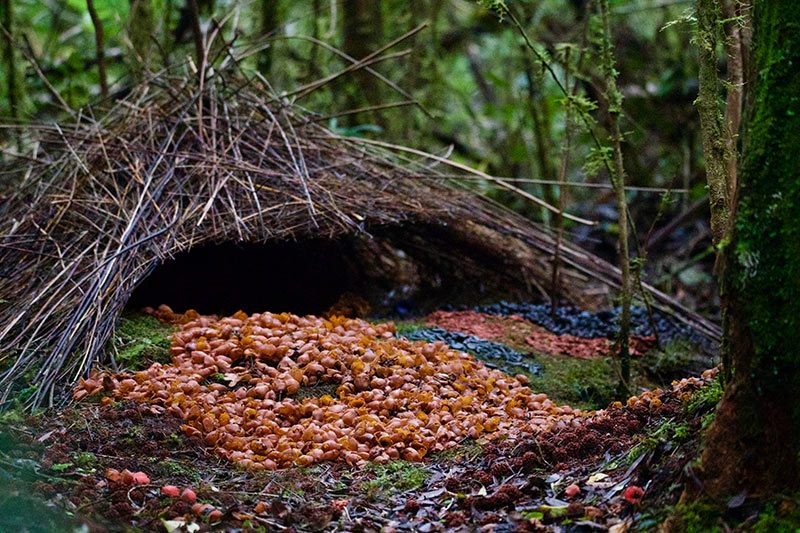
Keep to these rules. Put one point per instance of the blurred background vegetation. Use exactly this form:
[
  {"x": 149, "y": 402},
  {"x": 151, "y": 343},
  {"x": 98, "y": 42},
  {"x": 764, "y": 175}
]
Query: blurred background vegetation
[{"x": 482, "y": 97}]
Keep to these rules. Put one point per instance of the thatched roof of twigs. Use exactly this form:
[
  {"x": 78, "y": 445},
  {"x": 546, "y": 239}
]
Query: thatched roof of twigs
[{"x": 98, "y": 202}]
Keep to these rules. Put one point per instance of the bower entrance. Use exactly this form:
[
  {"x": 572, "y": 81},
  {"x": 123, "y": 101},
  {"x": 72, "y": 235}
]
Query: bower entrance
[{"x": 397, "y": 270}]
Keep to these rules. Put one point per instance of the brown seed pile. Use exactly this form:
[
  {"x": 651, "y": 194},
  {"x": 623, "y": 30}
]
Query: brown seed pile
[{"x": 235, "y": 383}]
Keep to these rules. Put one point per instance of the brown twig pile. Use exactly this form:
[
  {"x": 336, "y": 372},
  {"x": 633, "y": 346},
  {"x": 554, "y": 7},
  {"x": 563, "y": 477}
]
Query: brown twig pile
[{"x": 183, "y": 161}]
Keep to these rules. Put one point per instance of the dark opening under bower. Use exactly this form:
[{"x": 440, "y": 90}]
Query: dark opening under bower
[
  {"x": 188, "y": 167},
  {"x": 396, "y": 270}
]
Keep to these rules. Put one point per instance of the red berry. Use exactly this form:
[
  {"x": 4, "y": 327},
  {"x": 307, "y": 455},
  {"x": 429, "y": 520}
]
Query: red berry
[
  {"x": 188, "y": 496},
  {"x": 572, "y": 490},
  {"x": 170, "y": 490},
  {"x": 140, "y": 478},
  {"x": 634, "y": 494}
]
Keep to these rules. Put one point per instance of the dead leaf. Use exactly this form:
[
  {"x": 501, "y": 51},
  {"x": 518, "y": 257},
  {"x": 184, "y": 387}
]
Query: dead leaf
[{"x": 737, "y": 500}]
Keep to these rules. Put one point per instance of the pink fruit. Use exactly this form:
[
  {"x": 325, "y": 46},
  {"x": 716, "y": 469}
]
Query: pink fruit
[
  {"x": 140, "y": 478},
  {"x": 170, "y": 490},
  {"x": 188, "y": 496},
  {"x": 572, "y": 490}
]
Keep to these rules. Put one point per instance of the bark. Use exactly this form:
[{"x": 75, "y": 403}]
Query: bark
[
  {"x": 754, "y": 441},
  {"x": 101, "y": 55},
  {"x": 363, "y": 32},
  {"x": 613, "y": 100},
  {"x": 735, "y": 31},
  {"x": 269, "y": 23},
  {"x": 197, "y": 32},
  {"x": 716, "y": 146},
  {"x": 141, "y": 33},
  {"x": 313, "y": 68},
  {"x": 10, "y": 61},
  {"x": 558, "y": 221},
  {"x": 719, "y": 144}
]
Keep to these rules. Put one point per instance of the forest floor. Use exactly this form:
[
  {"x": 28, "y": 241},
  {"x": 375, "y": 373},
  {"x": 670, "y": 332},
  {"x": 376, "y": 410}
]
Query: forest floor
[{"x": 112, "y": 464}]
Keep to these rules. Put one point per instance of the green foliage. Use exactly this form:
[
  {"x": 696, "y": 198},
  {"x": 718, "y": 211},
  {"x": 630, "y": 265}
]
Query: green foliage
[
  {"x": 705, "y": 516},
  {"x": 174, "y": 442},
  {"x": 778, "y": 518},
  {"x": 169, "y": 468},
  {"x": 391, "y": 477},
  {"x": 85, "y": 460},
  {"x": 698, "y": 517},
  {"x": 491, "y": 129},
  {"x": 669, "y": 431},
  {"x": 406, "y": 327},
  {"x": 597, "y": 159},
  {"x": 61, "y": 467},
  {"x": 62, "y": 39},
  {"x": 499, "y": 6},
  {"x": 15, "y": 416},
  {"x": 140, "y": 339},
  {"x": 706, "y": 398}
]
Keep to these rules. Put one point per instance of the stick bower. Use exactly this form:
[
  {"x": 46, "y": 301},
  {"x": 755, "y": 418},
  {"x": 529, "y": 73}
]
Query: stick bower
[{"x": 97, "y": 204}]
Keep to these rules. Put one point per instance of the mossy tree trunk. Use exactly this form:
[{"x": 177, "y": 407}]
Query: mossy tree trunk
[
  {"x": 614, "y": 109},
  {"x": 141, "y": 32},
  {"x": 362, "y": 35},
  {"x": 754, "y": 441},
  {"x": 719, "y": 135},
  {"x": 716, "y": 149},
  {"x": 13, "y": 90},
  {"x": 269, "y": 25}
]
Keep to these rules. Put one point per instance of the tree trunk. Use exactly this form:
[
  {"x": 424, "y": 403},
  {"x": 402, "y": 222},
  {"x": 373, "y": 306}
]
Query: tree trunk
[
  {"x": 363, "y": 32},
  {"x": 716, "y": 149},
  {"x": 269, "y": 23},
  {"x": 101, "y": 55},
  {"x": 10, "y": 64},
  {"x": 754, "y": 441},
  {"x": 141, "y": 33},
  {"x": 613, "y": 99}
]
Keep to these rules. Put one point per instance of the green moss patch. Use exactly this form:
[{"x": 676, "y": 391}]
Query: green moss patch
[
  {"x": 141, "y": 339},
  {"x": 777, "y": 515},
  {"x": 408, "y": 326},
  {"x": 392, "y": 477},
  {"x": 581, "y": 383}
]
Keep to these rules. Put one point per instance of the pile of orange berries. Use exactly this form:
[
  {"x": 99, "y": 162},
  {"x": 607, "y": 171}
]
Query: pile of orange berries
[
  {"x": 682, "y": 390},
  {"x": 245, "y": 385}
]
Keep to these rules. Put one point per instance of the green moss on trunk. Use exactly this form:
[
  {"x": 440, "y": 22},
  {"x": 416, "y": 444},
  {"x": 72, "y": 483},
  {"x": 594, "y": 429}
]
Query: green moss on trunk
[{"x": 755, "y": 440}]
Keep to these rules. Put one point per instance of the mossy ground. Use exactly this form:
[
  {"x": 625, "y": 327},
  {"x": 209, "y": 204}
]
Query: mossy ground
[
  {"x": 776, "y": 515},
  {"x": 588, "y": 383},
  {"x": 140, "y": 339},
  {"x": 393, "y": 477}
]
